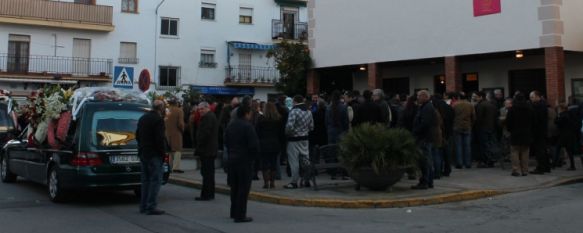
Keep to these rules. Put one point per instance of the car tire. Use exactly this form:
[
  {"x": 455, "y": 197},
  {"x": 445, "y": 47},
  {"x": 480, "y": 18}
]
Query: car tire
[
  {"x": 5, "y": 174},
  {"x": 55, "y": 191}
]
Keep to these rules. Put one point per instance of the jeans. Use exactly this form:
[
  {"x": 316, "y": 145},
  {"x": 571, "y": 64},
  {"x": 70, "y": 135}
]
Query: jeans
[
  {"x": 463, "y": 149},
  {"x": 426, "y": 164},
  {"x": 151, "y": 181}
]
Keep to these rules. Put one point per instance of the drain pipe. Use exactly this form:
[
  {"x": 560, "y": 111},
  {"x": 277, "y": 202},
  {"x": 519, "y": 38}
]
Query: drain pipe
[{"x": 156, "y": 43}]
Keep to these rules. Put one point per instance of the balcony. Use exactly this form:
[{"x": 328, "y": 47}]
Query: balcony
[
  {"x": 73, "y": 68},
  {"x": 251, "y": 76},
  {"x": 281, "y": 30},
  {"x": 57, "y": 14}
]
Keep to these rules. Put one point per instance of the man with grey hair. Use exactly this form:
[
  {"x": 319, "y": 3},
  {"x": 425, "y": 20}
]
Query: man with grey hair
[
  {"x": 207, "y": 143},
  {"x": 378, "y": 96},
  {"x": 424, "y": 128},
  {"x": 151, "y": 150}
]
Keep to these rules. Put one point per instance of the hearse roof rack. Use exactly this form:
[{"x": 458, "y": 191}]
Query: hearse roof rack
[{"x": 104, "y": 94}]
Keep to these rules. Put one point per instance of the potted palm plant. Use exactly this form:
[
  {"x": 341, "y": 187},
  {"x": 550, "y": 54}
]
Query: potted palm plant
[{"x": 376, "y": 157}]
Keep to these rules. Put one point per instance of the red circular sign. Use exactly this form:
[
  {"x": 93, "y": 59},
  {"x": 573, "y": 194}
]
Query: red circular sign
[{"x": 144, "y": 81}]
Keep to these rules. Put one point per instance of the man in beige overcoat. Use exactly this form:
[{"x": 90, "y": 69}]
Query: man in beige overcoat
[{"x": 174, "y": 130}]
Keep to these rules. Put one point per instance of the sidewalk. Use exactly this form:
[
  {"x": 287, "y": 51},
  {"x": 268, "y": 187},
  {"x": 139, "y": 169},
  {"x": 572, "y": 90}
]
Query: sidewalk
[{"x": 463, "y": 184}]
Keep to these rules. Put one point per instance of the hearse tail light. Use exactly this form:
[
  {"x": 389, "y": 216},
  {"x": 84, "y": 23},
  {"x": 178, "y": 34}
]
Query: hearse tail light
[
  {"x": 167, "y": 158},
  {"x": 85, "y": 159}
]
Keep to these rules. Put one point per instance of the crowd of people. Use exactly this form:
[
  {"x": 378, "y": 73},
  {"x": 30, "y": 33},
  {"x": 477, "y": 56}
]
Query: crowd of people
[{"x": 451, "y": 130}]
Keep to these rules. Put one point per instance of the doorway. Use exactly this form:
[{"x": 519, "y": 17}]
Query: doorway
[
  {"x": 470, "y": 83},
  {"x": 289, "y": 18},
  {"x": 18, "y": 53},
  {"x": 396, "y": 86},
  {"x": 526, "y": 81},
  {"x": 81, "y": 57},
  {"x": 439, "y": 84},
  {"x": 245, "y": 67}
]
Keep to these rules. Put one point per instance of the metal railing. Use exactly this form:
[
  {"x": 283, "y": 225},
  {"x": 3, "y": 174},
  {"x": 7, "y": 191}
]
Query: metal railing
[
  {"x": 57, "y": 11},
  {"x": 46, "y": 65},
  {"x": 133, "y": 60},
  {"x": 251, "y": 75},
  {"x": 289, "y": 31}
]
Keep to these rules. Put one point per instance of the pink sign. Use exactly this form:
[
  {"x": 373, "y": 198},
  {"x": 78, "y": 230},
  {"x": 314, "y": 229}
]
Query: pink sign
[{"x": 486, "y": 7}]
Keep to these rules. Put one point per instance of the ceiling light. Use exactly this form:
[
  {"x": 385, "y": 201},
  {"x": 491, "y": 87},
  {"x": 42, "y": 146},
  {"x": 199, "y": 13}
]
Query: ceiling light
[
  {"x": 519, "y": 54},
  {"x": 362, "y": 68}
]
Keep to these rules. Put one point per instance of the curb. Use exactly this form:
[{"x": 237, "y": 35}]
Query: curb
[{"x": 396, "y": 203}]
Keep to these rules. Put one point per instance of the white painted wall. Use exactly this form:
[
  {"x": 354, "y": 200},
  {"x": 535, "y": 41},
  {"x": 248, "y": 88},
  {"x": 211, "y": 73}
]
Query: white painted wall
[
  {"x": 184, "y": 51},
  {"x": 572, "y": 15},
  {"x": 411, "y": 29}
]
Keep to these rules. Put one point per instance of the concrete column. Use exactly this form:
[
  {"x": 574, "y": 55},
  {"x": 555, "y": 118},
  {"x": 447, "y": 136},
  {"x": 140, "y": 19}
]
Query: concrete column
[
  {"x": 313, "y": 82},
  {"x": 555, "y": 75},
  {"x": 374, "y": 77},
  {"x": 453, "y": 77}
]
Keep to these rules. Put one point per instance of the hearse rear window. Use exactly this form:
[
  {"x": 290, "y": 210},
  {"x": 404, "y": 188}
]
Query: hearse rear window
[{"x": 115, "y": 129}]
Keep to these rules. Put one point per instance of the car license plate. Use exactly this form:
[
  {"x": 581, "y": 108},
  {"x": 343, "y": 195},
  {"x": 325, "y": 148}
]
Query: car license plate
[{"x": 124, "y": 159}]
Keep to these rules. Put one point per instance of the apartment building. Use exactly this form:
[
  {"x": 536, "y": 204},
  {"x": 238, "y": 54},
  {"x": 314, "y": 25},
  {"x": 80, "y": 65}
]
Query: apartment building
[
  {"x": 215, "y": 46},
  {"x": 453, "y": 45}
]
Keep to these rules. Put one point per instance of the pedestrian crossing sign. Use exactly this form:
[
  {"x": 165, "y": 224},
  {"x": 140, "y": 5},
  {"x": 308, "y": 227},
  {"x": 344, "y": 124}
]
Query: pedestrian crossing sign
[{"x": 123, "y": 77}]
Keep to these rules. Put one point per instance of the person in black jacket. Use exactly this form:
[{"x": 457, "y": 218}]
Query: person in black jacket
[
  {"x": 207, "y": 146},
  {"x": 519, "y": 122},
  {"x": 271, "y": 136},
  {"x": 424, "y": 127},
  {"x": 151, "y": 150},
  {"x": 540, "y": 129},
  {"x": 447, "y": 116},
  {"x": 567, "y": 136},
  {"x": 242, "y": 148},
  {"x": 368, "y": 111}
]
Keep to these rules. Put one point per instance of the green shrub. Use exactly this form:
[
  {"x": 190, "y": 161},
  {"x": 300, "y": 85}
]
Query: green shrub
[{"x": 371, "y": 145}]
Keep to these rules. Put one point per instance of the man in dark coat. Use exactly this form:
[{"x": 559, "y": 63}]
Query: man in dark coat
[
  {"x": 368, "y": 111},
  {"x": 447, "y": 116},
  {"x": 151, "y": 150},
  {"x": 486, "y": 121},
  {"x": 519, "y": 122},
  {"x": 424, "y": 127},
  {"x": 540, "y": 127},
  {"x": 243, "y": 148},
  {"x": 206, "y": 148}
]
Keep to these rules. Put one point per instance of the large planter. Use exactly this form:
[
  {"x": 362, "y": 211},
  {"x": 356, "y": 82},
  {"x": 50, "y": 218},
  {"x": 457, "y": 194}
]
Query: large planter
[{"x": 366, "y": 177}]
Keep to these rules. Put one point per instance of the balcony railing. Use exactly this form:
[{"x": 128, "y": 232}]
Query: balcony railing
[
  {"x": 251, "y": 76},
  {"x": 51, "y": 65},
  {"x": 133, "y": 60},
  {"x": 289, "y": 31},
  {"x": 57, "y": 11}
]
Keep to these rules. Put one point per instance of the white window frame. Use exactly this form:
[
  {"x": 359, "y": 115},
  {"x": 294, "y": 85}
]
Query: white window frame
[
  {"x": 209, "y": 6},
  {"x": 177, "y": 78},
  {"x": 207, "y": 64},
  {"x": 245, "y": 12},
  {"x": 135, "y": 10},
  {"x": 169, "y": 28},
  {"x": 128, "y": 59}
]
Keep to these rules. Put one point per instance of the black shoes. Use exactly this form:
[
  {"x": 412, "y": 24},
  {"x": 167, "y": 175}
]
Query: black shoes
[
  {"x": 515, "y": 174},
  {"x": 241, "y": 220},
  {"x": 154, "y": 212},
  {"x": 291, "y": 186},
  {"x": 204, "y": 198},
  {"x": 421, "y": 186},
  {"x": 178, "y": 171}
]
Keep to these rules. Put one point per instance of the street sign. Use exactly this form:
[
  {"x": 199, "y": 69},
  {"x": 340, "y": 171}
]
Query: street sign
[
  {"x": 123, "y": 77},
  {"x": 144, "y": 80}
]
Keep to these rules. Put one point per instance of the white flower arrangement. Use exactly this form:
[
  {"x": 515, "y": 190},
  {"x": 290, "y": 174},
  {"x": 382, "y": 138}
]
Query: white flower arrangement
[{"x": 54, "y": 106}]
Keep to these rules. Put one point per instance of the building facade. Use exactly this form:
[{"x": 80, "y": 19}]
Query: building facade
[
  {"x": 218, "y": 47},
  {"x": 454, "y": 45}
]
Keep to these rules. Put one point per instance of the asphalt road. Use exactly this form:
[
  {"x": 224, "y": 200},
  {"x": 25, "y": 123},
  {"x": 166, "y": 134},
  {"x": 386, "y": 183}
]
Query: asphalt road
[{"x": 24, "y": 207}]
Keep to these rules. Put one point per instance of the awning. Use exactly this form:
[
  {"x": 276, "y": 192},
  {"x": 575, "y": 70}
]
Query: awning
[
  {"x": 208, "y": 90},
  {"x": 252, "y": 46},
  {"x": 291, "y": 2}
]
